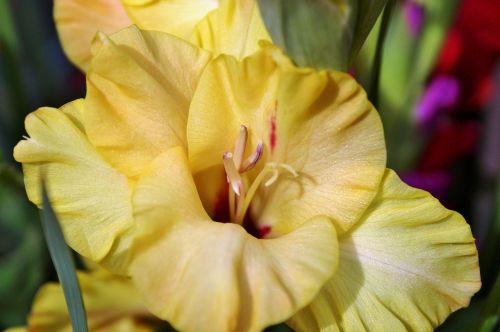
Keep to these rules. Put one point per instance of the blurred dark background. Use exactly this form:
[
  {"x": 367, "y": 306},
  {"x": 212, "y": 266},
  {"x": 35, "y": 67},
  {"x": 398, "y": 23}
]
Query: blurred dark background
[{"x": 445, "y": 139}]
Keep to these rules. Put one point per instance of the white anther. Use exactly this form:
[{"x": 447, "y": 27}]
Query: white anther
[
  {"x": 239, "y": 148},
  {"x": 233, "y": 176}
]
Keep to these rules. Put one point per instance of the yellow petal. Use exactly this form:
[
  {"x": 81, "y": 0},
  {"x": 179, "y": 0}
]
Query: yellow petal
[
  {"x": 406, "y": 265},
  {"x": 111, "y": 303},
  {"x": 230, "y": 93},
  {"x": 77, "y": 22},
  {"x": 325, "y": 128},
  {"x": 17, "y": 329},
  {"x": 199, "y": 274},
  {"x": 213, "y": 191},
  {"x": 137, "y": 107},
  {"x": 92, "y": 199},
  {"x": 235, "y": 28},
  {"x": 167, "y": 188},
  {"x": 177, "y": 17}
]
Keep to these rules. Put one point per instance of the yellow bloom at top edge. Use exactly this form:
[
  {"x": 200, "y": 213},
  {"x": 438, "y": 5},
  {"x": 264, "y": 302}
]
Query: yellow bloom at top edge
[
  {"x": 218, "y": 26},
  {"x": 238, "y": 194}
]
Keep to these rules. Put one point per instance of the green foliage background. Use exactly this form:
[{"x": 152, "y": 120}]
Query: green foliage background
[{"x": 393, "y": 66}]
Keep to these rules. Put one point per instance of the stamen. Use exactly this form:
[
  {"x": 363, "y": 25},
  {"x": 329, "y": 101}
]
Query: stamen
[
  {"x": 284, "y": 166},
  {"x": 273, "y": 178},
  {"x": 239, "y": 196},
  {"x": 233, "y": 176},
  {"x": 270, "y": 168},
  {"x": 254, "y": 158},
  {"x": 239, "y": 148},
  {"x": 232, "y": 204}
]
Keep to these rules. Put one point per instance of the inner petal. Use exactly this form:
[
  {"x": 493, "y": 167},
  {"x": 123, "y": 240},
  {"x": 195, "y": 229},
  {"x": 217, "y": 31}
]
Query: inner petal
[{"x": 322, "y": 125}]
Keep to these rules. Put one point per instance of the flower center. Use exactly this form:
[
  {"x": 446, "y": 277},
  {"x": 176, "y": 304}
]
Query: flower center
[{"x": 240, "y": 196}]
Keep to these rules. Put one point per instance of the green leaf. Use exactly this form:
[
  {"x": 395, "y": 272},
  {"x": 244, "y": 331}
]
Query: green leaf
[
  {"x": 368, "y": 12},
  {"x": 13, "y": 101},
  {"x": 321, "y": 33},
  {"x": 489, "y": 324},
  {"x": 64, "y": 264},
  {"x": 377, "y": 61},
  {"x": 23, "y": 256},
  {"x": 490, "y": 313},
  {"x": 407, "y": 62},
  {"x": 8, "y": 34}
]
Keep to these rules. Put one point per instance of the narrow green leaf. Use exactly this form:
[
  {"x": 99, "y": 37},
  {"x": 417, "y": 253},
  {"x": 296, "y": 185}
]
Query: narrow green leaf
[
  {"x": 8, "y": 34},
  {"x": 13, "y": 103},
  {"x": 23, "y": 256},
  {"x": 490, "y": 313},
  {"x": 368, "y": 12},
  {"x": 406, "y": 64},
  {"x": 377, "y": 62},
  {"x": 64, "y": 264},
  {"x": 320, "y": 33},
  {"x": 490, "y": 324}
]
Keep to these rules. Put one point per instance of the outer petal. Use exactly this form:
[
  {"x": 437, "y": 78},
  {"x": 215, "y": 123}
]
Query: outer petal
[
  {"x": 206, "y": 276},
  {"x": 406, "y": 266},
  {"x": 177, "y": 17},
  {"x": 235, "y": 28},
  {"x": 92, "y": 199},
  {"x": 77, "y": 22},
  {"x": 320, "y": 123},
  {"x": 137, "y": 107},
  {"x": 112, "y": 304}
]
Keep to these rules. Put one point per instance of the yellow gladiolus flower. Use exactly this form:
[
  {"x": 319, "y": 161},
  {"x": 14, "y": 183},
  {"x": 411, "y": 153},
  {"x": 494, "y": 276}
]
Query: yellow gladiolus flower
[
  {"x": 112, "y": 304},
  {"x": 242, "y": 193},
  {"x": 221, "y": 26}
]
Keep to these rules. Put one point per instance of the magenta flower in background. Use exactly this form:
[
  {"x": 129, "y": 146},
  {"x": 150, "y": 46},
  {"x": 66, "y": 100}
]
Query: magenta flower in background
[
  {"x": 435, "y": 182},
  {"x": 441, "y": 94},
  {"x": 415, "y": 15}
]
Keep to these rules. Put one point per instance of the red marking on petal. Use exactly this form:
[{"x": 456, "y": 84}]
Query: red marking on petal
[
  {"x": 272, "y": 133},
  {"x": 264, "y": 230}
]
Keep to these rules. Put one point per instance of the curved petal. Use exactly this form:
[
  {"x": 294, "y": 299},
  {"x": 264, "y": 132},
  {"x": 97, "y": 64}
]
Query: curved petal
[
  {"x": 137, "y": 107},
  {"x": 407, "y": 265},
  {"x": 230, "y": 93},
  {"x": 112, "y": 304},
  {"x": 176, "y": 17},
  {"x": 319, "y": 123},
  {"x": 92, "y": 200},
  {"x": 235, "y": 28},
  {"x": 77, "y": 22},
  {"x": 188, "y": 266},
  {"x": 166, "y": 187},
  {"x": 213, "y": 191}
]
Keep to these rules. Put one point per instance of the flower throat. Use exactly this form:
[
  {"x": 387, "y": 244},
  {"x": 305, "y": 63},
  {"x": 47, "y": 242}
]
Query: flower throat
[{"x": 239, "y": 195}]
